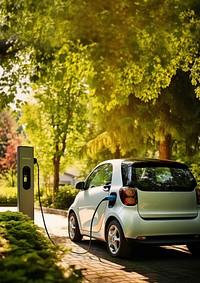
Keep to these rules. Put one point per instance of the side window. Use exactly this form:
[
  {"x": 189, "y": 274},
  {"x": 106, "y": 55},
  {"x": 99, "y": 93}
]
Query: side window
[{"x": 101, "y": 176}]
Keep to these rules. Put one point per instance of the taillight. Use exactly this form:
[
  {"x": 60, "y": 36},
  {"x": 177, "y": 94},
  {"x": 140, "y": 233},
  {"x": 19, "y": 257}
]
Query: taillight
[
  {"x": 198, "y": 195},
  {"x": 128, "y": 196}
]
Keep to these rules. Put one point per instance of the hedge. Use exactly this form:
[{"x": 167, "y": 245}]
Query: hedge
[{"x": 27, "y": 256}]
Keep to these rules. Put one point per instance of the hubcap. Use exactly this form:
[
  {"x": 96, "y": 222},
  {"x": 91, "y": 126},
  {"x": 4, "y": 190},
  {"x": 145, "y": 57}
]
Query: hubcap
[{"x": 114, "y": 239}]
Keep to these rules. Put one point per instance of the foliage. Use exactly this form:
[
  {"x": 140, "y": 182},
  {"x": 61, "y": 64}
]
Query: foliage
[
  {"x": 61, "y": 96},
  {"x": 6, "y": 200},
  {"x": 139, "y": 45},
  {"x": 26, "y": 255},
  {"x": 8, "y": 194},
  {"x": 64, "y": 198},
  {"x": 6, "y": 130},
  {"x": 137, "y": 50},
  {"x": 196, "y": 172},
  {"x": 9, "y": 141},
  {"x": 140, "y": 48}
]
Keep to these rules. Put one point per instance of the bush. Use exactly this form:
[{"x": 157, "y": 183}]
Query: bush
[
  {"x": 8, "y": 200},
  {"x": 65, "y": 197},
  {"x": 27, "y": 255},
  {"x": 8, "y": 195},
  {"x": 196, "y": 172}
]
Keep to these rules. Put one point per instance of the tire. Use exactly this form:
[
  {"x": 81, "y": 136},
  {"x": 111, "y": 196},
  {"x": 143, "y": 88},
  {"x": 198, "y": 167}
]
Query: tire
[
  {"x": 194, "y": 249},
  {"x": 116, "y": 243},
  {"x": 73, "y": 228}
]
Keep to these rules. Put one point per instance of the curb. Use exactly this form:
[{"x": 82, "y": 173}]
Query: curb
[{"x": 53, "y": 211}]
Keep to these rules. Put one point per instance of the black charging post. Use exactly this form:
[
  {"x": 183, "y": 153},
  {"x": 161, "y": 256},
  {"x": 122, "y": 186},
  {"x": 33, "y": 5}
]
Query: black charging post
[{"x": 25, "y": 180}]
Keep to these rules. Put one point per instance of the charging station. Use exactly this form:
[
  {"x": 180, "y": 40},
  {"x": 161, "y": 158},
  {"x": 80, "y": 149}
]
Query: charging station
[{"x": 25, "y": 180}]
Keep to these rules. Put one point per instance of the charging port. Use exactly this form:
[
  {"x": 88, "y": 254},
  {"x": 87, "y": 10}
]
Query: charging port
[{"x": 112, "y": 199}]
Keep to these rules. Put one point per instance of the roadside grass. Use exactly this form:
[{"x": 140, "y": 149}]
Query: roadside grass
[{"x": 8, "y": 195}]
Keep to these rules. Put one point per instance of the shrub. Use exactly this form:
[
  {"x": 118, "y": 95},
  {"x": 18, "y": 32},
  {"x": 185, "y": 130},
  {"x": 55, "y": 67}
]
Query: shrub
[
  {"x": 65, "y": 197},
  {"x": 27, "y": 255},
  {"x": 196, "y": 172},
  {"x": 8, "y": 195},
  {"x": 8, "y": 200}
]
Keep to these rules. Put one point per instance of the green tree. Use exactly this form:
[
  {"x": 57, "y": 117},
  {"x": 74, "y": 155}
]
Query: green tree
[
  {"x": 137, "y": 49},
  {"x": 178, "y": 126},
  {"x": 155, "y": 42},
  {"x": 9, "y": 140},
  {"x": 61, "y": 97}
]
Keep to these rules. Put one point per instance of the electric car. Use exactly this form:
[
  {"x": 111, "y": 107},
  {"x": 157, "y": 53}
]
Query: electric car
[{"x": 125, "y": 202}]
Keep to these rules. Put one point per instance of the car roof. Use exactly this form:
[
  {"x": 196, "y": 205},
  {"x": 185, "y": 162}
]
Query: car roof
[
  {"x": 155, "y": 162},
  {"x": 150, "y": 162}
]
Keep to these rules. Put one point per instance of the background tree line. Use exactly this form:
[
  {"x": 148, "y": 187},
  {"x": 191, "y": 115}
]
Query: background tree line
[{"x": 108, "y": 79}]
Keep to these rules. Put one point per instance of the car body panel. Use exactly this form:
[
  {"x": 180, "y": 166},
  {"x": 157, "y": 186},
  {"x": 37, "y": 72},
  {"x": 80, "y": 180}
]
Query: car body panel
[
  {"x": 86, "y": 203},
  {"x": 134, "y": 226},
  {"x": 158, "y": 205},
  {"x": 163, "y": 214}
]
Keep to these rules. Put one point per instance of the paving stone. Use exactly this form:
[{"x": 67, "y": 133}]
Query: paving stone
[{"x": 149, "y": 265}]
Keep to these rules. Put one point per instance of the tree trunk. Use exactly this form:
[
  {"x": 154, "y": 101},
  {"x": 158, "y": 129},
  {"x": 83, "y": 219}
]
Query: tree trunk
[
  {"x": 12, "y": 177},
  {"x": 56, "y": 166},
  {"x": 117, "y": 153},
  {"x": 165, "y": 147}
]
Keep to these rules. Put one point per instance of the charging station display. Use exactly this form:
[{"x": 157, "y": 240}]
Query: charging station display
[
  {"x": 25, "y": 180},
  {"x": 26, "y": 173}
]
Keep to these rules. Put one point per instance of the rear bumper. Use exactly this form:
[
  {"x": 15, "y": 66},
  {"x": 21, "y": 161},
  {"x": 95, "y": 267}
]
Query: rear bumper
[
  {"x": 167, "y": 240},
  {"x": 169, "y": 231}
]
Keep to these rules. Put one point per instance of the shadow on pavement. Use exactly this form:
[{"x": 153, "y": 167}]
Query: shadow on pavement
[{"x": 154, "y": 264}]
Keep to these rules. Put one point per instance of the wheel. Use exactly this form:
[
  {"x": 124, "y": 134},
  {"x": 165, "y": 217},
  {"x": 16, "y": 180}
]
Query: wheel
[
  {"x": 194, "y": 249},
  {"x": 73, "y": 228},
  {"x": 116, "y": 243}
]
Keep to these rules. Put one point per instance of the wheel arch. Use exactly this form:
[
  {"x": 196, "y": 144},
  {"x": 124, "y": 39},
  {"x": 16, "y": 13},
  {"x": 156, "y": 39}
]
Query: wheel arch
[
  {"x": 111, "y": 218},
  {"x": 77, "y": 218},
  {"x": 70, "y": 211}
]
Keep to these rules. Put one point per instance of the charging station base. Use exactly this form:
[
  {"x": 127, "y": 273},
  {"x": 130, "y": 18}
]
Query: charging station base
[{"x": 25, "y": 180}]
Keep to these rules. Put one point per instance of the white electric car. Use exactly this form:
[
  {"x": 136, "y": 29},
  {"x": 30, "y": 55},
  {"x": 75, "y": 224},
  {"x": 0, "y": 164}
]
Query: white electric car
[{"x": 137, "y": 201}]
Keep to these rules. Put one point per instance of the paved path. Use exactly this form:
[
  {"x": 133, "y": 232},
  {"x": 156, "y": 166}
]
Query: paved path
[{"x": 148, "y": 265}]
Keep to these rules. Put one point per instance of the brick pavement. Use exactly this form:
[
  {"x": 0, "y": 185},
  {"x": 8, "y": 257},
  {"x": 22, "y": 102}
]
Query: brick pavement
[
  {"x": 147, "y": 265},
  {"x": 150, "y": 265}
]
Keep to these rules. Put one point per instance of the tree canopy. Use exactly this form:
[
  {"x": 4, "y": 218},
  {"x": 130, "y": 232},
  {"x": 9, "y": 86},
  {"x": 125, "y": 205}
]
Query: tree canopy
[
  {"x": 138, "y": 60},
  {"x": 9, "y": 140},
  {"x": 61, "y": 95}
]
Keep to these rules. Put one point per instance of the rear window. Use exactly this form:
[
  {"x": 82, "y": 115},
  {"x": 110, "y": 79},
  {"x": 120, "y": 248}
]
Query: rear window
[{"x": 158, "y": 178}]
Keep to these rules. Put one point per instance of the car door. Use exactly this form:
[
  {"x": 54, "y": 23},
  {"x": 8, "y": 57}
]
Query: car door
[{"x": 97, "y": 187}]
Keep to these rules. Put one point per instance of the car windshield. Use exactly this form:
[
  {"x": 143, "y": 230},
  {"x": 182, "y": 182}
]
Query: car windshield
[{"x": 158, "y": 177}]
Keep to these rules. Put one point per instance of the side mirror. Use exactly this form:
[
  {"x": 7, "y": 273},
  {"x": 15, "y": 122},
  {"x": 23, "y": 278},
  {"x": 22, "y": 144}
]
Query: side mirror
[{"x": 80, "y": 186}]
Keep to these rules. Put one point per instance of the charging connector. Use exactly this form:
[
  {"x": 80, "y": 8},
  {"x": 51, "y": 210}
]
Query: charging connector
[{"x": 110, "y": 198}]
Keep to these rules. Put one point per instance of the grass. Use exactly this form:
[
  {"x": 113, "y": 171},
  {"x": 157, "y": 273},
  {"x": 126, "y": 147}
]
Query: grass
[
  {"x": 7, "y": 191},
  {"x": 8, "y": 195}
]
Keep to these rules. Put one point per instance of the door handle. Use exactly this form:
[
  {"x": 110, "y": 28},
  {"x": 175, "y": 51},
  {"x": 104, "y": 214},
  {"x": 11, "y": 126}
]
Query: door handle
[{"x": 107, "y": 187}]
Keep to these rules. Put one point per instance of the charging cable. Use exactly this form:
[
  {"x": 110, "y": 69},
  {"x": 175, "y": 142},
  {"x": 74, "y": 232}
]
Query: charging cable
[
  {"x": 111, "y": 198},
  {"x": 40, "y": 203}
]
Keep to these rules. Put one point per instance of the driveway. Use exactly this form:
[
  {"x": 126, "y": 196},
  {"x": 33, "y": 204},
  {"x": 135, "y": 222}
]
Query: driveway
[{"x": 147, "y": 265}]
